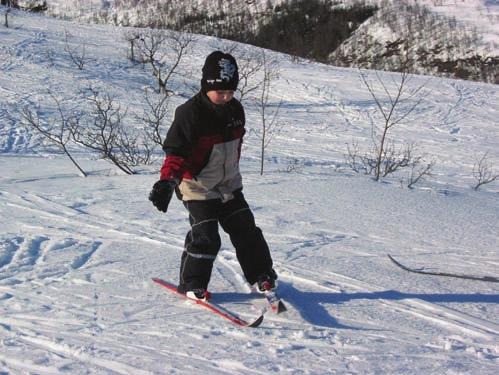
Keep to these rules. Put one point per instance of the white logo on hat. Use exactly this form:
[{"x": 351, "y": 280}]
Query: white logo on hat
[{"x": 228, "y": 69}]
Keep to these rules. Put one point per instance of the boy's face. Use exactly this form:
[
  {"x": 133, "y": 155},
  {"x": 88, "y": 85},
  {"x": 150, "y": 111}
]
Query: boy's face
[{"x": 220, "y": 96}]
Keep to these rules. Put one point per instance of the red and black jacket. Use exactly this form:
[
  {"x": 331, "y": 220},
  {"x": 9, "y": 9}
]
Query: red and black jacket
[{"x": 203, "y": 146}]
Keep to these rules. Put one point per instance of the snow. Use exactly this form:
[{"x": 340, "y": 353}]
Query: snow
[
  {"x": 480, "y": 14},
  {"x": 77, "y": 254}
]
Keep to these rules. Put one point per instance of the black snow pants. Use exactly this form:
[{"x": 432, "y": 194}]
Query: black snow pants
[{"x": 202, "y": 243}]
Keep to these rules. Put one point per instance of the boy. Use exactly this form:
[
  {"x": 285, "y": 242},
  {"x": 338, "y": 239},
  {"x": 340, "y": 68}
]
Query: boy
[{"x": 203, "y": 147}]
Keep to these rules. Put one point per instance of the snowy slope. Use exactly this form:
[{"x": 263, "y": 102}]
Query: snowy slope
[
  {"x": 446, "y": 38},
  {"x": 77, "y": 254},
  {"x": 480, "y": 14}
]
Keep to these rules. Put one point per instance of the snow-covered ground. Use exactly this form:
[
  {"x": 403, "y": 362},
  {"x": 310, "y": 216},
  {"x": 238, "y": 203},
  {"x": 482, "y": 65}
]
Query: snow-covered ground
[
  {"x": 480, "y": 14},
  {"x": 77, "y": 254}
]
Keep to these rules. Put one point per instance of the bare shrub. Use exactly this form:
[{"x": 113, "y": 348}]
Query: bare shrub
[
  {"x": 103, "y": 131},
  {"x": 164, "y": 50},
  {"x": 6, "y": 14},
  {"x": 384, "y": 156},
  {"x": 269, "y": 111},
  {"x": 154, "y": 117},
  {"x": 294, "y": 165},
  {"x": 132, "y": 37},
  {"x": 483, "y": 171},
  {"x": 250, "y": 66},
  {"x": 57, "y": 130},
  {"x": 77, "y": 54},
  {"x": 420, "y": 169}
]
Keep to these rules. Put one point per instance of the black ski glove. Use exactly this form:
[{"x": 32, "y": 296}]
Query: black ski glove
[{"x": 161, "y": 194}]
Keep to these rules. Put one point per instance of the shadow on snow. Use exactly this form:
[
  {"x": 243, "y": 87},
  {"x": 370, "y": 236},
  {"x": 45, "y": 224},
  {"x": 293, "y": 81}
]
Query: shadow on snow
[{"x": 312, "y": 305}]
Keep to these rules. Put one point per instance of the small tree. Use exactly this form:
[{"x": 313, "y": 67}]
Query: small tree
[
  {"x": 132, "y": 37},
  {"x": 250, "y": 65},
  {"x": 393, "y": 113},
  {"x": 154, "y": 118},
  {"x": 420, "y": 168},
  {"x": 8, "y": 4},
  {"x": 57, "y": 131},
  {"x": 483, "y": 172},
  {"x": 76, "y": 54},
  {"x": 269, "y": 117},
  {"x": 103, "y": 131},
  {"x": 393, "y": 107},
  {"x": 164, "y": 51}
]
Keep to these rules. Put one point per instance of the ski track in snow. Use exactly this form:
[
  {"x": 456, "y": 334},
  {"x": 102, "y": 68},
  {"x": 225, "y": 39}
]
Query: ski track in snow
[
  {"x": 64, "y": 305},
  {"x": 27, "y": 256},
  {"x": 405, "y": 304},
  {"x": 77, "y": 255}
]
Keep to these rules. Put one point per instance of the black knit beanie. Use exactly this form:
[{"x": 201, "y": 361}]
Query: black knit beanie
[{"x": 219, "y": 72}]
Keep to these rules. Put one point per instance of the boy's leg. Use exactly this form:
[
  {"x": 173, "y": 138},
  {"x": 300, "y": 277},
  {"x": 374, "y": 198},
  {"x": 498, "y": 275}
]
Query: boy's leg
[
  {"x": 201, "y": 245},
  {"x": 252, "y": 250}
]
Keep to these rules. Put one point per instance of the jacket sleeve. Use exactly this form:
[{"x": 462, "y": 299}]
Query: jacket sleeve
[{"x": 177, "y": 145}]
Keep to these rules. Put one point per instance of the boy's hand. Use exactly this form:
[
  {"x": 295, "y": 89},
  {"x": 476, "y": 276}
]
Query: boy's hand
[{"x": 161, "y": 194}]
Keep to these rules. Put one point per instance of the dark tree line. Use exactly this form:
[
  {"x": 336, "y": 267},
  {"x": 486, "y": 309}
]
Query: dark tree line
[
  {"x": 427, "y": 43},
  {"x": 34, "y": 6},
  {"x": 310, "y": 28},
  {"x": 322, "y": 30},
  {"x": 304, "y": 28}
]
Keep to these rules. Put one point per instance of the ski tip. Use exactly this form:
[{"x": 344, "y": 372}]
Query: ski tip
[
  {"x": 281, "y": 307},
  {"x": 397, "y": 263},
  {"x": 392, "y": 259},
  {"x": 257, "y": 322}
]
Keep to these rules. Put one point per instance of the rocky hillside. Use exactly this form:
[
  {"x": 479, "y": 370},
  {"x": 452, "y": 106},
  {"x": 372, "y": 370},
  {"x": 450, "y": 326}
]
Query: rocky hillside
[
  {"x": 406, "y": 35},
  {"x": 457, "y": 39}
]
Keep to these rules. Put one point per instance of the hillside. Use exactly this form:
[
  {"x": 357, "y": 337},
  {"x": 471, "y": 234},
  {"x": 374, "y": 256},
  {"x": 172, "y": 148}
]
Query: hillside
[
  {"x": 442, "y": 38},
  {"x": 77, "y": 254},
  {"x": 454, "y": 41}
]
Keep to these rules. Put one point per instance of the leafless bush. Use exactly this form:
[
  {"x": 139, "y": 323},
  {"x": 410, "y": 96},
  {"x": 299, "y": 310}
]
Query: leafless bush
[
  {"x": 393, "y": 113},
  {"x": 268, "y": 111},
  {"x": 358, "y": 161},
  {"x": 6, "y": 14},
  {"x": 393, "y": 159},
  {"x": 132, "y": 37},
  {"x": 293, "y": 165},
  {"x": 250, "y": 66},
  {"x": 134, "y": 149},
  {"x": 76, "y": 54},
  {"x": 154, "y": 117},
  {"x": 56, "y": 131},
  {"x": 164, "y": 50},
  {"x": 483, "y": 172},
  {"x": 420, "y": 169},
  {"x": 103, "y": 130},
  {"x": 384, "y": 156}
]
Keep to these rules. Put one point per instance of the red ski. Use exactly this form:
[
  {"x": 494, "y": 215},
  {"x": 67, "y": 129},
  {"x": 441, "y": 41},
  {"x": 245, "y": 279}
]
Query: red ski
[{"x": 212, "y": 306}]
